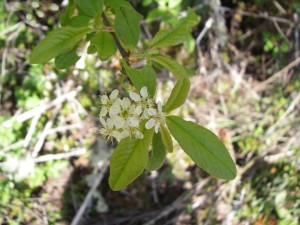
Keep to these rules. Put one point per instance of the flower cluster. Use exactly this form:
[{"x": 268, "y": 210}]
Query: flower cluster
[{"x": 120, "y": 118}]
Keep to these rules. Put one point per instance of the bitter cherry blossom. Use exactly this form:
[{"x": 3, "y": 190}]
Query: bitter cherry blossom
[{"x": 121, "y": 118}]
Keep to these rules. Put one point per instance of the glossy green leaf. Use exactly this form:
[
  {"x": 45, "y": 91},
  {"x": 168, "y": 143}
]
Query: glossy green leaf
[
  {"x": 129, "y": 160},
  {"x": 144, "y": 76},
  {"x": 166, "y": 138},
  {"x": 178, "y": 95},
  {"x": 176, "y": 35},
  {"x": 174, "y": 67},
  {"x": 203, "y": 146},
  {"x": 158, "y": 153},
  {"x": 90, "y": 7},
  {"x": 105, "y": 45},
  {"x": 66, "y": 60},
  {"x": 57, "y": 42},
  {"x": 127, "y": 25}
]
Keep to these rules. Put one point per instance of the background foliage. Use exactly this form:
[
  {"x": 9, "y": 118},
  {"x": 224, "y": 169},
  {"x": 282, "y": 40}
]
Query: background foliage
[{"x": 246, "y": 90}]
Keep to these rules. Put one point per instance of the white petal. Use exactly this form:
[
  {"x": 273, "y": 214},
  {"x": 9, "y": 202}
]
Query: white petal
[
  {"x": 125, "y": 133},
  {"x": 118, "y": 122},
  {"x": 117, "y": 101},
  {"x": 150, "y": 124},
  {"x": 138, "y": 110},
  {"x": 144, "y": 92},
  {"x": 138, "y": 135},
  {"x": 114, "y": 94},
  {"x": 156, "y": 128},
  {"x": 134, "y": 96},
  {"x": 114, "y": 110},
  {"x": 102, "y": 121},
  {"x": 145, "y": 114},
  {"x": 152, "y": 112},
  {"x": 103, "y": 111},
  {"x": 104, "y": 99},
  {"x": 110, "y": 123},
  {"x": 125, "y": 103},
  {"x": 117, "y": 135},
  {"x": 102, "y": 131},
  {"x": 159, "y": 106},
  {"x": 133, "y": 122}
]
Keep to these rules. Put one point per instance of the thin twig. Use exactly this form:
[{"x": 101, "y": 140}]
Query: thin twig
[
  {"x": 10, "y": 147},
  {"x": 297, "y": 45},
  {"x": 65, "y": 128},
  {"x": 207, "y": 26},
  {"x": 30, "y": 132},
  {"x": 284, "y": 115},
  {"x": 44, "y": 134},
  {"x": 90, "y": 194},
  {"x": 41, "y": 109},
  {"x": 277, "y": 75},
  {"x": 262, "y": 15},
  {"x": 180, "y": 201},
  {"x": 280, "y": 31},
  {"x": 3, "y": 71},
  {"x": 50, "y": 157}
]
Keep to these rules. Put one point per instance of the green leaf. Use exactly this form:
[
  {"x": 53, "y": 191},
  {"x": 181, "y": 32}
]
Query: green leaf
[
  {"x": 90, "y": 7},
  {"x": 79, "y": 21},
  {"x": 174, "y": 67},
  {"x": 105, "y": 45},
  {"x": 127, "y": 26},
  {"x": 66, "y": 60},
  {"x": 115, "y": 4},
  {"x": 166, "y": 138},
  {"x": 57, "y": 42},
  {"x": 129, "y": 160},
  {"x": 176, "y": 35},
  {"x": 92, "y": 49},
  {"x": 144, "y": 76},
  {"x": 158, "y": 156},
  {"x": 67, "y": 14},
  {"x": 203, "y": 146},
  {"x": 178, "y": 94},
  {"x": 190, "y": 44}
]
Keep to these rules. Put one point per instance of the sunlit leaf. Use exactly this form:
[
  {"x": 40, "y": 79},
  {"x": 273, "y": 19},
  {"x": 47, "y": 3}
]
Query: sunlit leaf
[
  {"x": 174, "y": 67},
  {"x": 176, "y": 35},
  {"x": 166, "y": 138},
  {"x": 66, "y": 60},
  {"x": 129, "y": 160},
  {"x": 178, "y": 95},
  {"x": 158, "y": 153},
  {"x": 144, "y": 76},
  {"x": 57, "y": 42},
  {"x": 127, "y": 25},
  {"x": 105, "y": 45},
  {"x": 90, "y": 7},
  {"x": 203, "y": 146}
]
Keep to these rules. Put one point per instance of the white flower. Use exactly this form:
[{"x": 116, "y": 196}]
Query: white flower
[
  {"x": 143, "y": 101},
  {"x": 135, "y": 131},
  {"x": 157, "y": 117},
  {"x": 120, "y": 118},
  {"x": 129, "y": 114},
  {"x": 108, "y": 102},
  {"x": 107, "y": 128}
]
